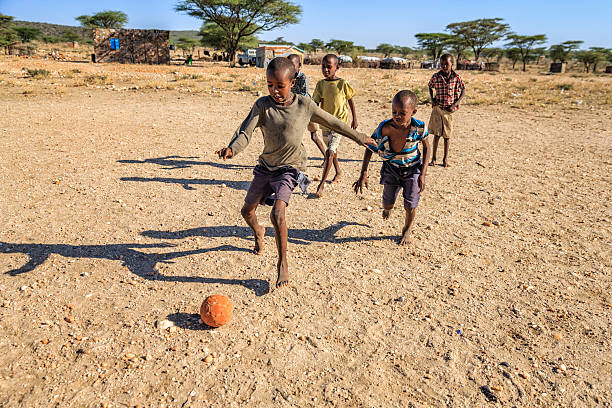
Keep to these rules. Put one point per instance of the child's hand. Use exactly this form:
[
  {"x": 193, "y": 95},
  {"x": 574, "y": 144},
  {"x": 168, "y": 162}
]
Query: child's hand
[
  {"x": 369, "y": 141},
  {"x": 360, "y": 184},
  {"x": 453, "y": 107},
  {"x": 421, "y": 181},
  {"x": 225, "y": 153},
  {"x": 354, "y": 123}
]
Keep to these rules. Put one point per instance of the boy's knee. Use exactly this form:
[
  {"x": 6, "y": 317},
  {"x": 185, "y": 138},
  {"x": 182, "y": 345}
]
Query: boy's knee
[
  {"x": 246, "y": 211},
  {"x": 312, "y": 127},
  {"x": 277, "y": 215}
]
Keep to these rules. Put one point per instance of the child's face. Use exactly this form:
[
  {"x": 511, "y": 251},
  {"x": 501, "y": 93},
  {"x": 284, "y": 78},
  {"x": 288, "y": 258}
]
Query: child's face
[
  {"x": 446, "y": 64},
  {"x": 402, "y": 114},
  {"x": 329, "y": 68},
  {"x": 296, "y": 64},
  {"x": 279, "y": 85}
]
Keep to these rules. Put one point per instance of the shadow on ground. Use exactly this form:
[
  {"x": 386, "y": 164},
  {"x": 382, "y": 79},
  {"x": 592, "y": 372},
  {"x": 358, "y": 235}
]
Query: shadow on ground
[{"x": 140, "y": 263}]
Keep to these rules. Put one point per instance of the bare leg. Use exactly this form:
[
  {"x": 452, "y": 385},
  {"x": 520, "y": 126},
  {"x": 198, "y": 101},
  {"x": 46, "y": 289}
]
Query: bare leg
[
  {"x": 387, "y": 211},
  {"x": 248, "y": 213},
  {"x": 434, "y": 150},
  {"x": 326, "y": 166},
  {"x": 318, "y": 142},
  {"x": 336, "y": 167},
  {"x": 445, "y": 160},
  {"x": 280, "y": 235},
  {"x": 405, "y": 240}
]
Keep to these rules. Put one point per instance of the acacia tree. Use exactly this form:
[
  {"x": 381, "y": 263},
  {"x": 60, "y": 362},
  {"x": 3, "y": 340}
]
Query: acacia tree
[
  {"x": 340, "y": 46},
  {"x": 306, "y": 47},
  {"x": 317, "y": 44},
  {"x": 386, "y": 49},
  {"x": 27, "y": 34},
  {"x": 605, "y": 54},
  {"x": 104, "y": 19},
  {"x": 514, "y": 55},
  {"x": 457, "y": 46},
  {"x": 242, "y": 18},
  {"x": 433, "y": 42},
  {"x": 404, "y": 51},
  {"x": 525, "y": 45},
  {"x": 70, "y": 36},
  {"x": 8, "y": 36},
  {"x": 479, "y": 34},
  {"x": 562, "y": 52},
  {"x": 212, "y": 35}
]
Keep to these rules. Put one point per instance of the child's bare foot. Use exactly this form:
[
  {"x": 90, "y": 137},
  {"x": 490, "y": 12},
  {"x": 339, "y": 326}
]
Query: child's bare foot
[
  {"x": 445, "y": 164},
  {"x": 386, "y": 214},
  {"x": 283, "y": 275},
  {"x": 337, "y": 177},
  {"x": 432, "y": 163},
  {"x": 319, "y": 192},
  {"x": 259, "y": 236},
  {"x": 405, "y": 239}
]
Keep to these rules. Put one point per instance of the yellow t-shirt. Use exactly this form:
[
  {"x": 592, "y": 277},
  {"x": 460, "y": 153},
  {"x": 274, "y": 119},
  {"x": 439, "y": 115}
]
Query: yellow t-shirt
[{"x": 332, "y": 96}]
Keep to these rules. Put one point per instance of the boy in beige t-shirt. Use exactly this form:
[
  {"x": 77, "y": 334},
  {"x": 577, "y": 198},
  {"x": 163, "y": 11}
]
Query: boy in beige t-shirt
[{"x": 333, "y": 94}]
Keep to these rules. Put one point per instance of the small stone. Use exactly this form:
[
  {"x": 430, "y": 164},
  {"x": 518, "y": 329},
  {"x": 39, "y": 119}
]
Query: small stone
[
  {"x": 208, "y": 358},
  {"x": 524, "y": 375},
  {"x": 427, "y": 376},
  {"x": 302, "y": 338},
  {"x": 556, "y": 336},
  {"x": 487, "y": 224},
  {"x": 562, "y": 368},
  {"x": 44, "y": 341},
  {"x": 130, "y": 356},
  {"x": 164, "y": 324},
  {"x": 69, "y": 319},
  {"x": 497, "y": 388},
  {"x": 24, "y": 287},
  {"x": 496, "y": 223}
]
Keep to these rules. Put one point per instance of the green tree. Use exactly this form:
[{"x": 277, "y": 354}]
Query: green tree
[
  {"x": 279, "y": 41},
  {"x": 604, "y": 54},
  {"x": 589, "y": 58},
  {"x": 8, "y": 36},
  {"x": 340, "y": 46},
  {"x": 514, "y": 55},
  {"x": 211, "y": 35},
  {"x": 242, "y": 18},
  {"x": 70, "y": 36},
  {"x": 104, "y": 19},
  {"x": 525, "y": 44},
  {"x": 386, "y": 49},
  {"x": 404, "y": 51},
  {"x": 306, "y": 47},
  {"x": 433, "y": 42},
  {"x": 27, "y": 34},
  {"x": 317, "y": 44},
  {"x": 492, "y": 53},
  {"x": 479, "y": 34},
  {"x": 457, "y": 46},
  {"x": 563, "y": 52},
  {"x": 186, "y": 44}
]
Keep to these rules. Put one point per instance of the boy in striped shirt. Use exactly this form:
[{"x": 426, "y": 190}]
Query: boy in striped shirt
[{"x": 403, "y": 166}]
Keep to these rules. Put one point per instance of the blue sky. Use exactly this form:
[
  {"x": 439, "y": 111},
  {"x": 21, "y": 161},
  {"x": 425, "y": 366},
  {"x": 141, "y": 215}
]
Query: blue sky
[{"x": 366, "y": 22}]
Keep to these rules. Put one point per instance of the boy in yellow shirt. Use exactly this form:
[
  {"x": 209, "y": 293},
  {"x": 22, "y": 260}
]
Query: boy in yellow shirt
[{"x": 333, "y": 94}]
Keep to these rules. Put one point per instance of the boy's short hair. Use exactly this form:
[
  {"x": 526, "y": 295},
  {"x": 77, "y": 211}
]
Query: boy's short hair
[
  {"x": 406, "y": 98},
  {"x": 445, "y": 56},
  {"x": 331, "y": 58},
  {"x": 282, "y": 64},
  {"x": 295, "y": 56}
]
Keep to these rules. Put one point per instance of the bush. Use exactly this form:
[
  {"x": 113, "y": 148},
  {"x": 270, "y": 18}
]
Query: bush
[
  {"x": 565, "y": 87},
  {"x": 38, "y": 73}
]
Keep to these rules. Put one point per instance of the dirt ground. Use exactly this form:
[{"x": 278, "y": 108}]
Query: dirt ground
[{"x": 117, "y": 220}]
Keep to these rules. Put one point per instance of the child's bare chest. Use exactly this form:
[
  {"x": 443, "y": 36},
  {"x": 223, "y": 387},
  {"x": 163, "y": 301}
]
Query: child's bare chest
[{"x": 397, "y": 139}]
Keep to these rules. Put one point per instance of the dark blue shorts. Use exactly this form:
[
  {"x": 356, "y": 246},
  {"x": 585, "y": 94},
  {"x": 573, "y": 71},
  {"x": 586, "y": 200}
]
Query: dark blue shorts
[
  {"x": 394, "y": 179},
  {"x": 268, "y": 186}
]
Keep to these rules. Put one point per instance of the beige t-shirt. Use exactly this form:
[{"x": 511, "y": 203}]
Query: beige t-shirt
[{"x": 283, "y": 130}]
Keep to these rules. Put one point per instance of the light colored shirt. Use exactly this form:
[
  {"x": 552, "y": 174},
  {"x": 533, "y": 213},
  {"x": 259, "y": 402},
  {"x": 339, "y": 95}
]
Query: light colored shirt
[
  {"x": 333, "y": 96},
  {"x": 283, "y": 130}
]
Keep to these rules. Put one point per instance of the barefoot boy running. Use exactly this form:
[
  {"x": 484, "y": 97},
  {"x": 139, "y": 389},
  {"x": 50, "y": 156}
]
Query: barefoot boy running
[
  {"x": 333, "y": 94},
  {"x": 282, "y": 117},
  {"x": 397, "y": 142},
  {"x": 449, "y": 89}
]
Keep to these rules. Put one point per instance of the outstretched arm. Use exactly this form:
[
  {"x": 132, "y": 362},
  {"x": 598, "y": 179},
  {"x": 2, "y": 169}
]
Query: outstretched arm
[
  {"x": 243, "y": 134},
  {"x": 351, "y": 105},
  {"x": 363, "y": 177},
  {"x": 331, "y": 122}
]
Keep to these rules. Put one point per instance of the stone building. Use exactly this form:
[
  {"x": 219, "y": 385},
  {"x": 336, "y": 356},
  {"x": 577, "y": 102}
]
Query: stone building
[{"x": 131, "y": 46}]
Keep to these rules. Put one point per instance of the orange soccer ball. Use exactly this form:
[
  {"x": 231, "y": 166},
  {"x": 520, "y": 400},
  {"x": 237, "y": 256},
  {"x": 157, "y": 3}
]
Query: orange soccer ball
[{"x": 216, "y": 310}]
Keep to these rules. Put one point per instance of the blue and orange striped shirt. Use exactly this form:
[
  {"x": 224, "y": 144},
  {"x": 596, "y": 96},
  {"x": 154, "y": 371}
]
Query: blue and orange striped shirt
[{"x": 410, "y": 154}]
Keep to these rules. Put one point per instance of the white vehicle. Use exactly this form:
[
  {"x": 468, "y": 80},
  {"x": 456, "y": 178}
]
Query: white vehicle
[{"x": 249, "y": 57}]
